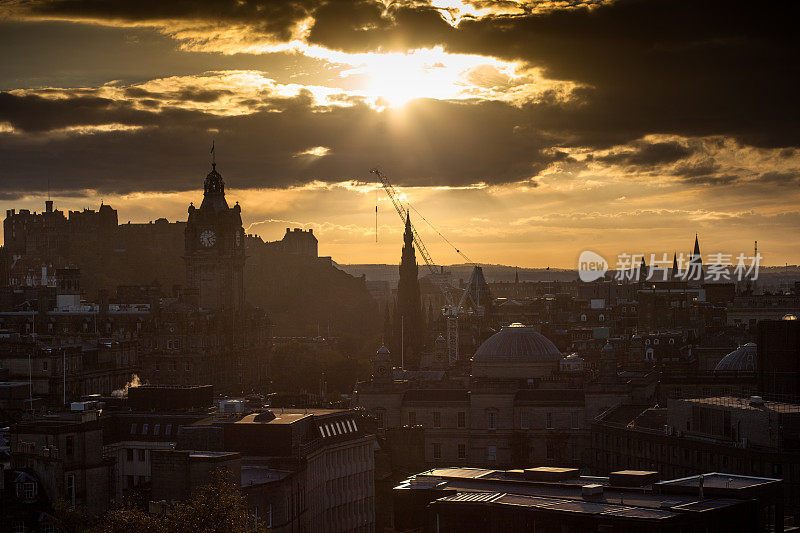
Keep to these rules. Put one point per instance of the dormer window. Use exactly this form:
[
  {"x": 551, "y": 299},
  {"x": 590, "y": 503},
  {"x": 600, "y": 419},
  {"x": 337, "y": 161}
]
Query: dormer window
[{"x": 26, "y": 490}]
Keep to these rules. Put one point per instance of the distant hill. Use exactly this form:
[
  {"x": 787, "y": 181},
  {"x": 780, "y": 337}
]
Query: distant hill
[
  {"x": 770, "y": 278},
  {"x": 492, "y": 273}
]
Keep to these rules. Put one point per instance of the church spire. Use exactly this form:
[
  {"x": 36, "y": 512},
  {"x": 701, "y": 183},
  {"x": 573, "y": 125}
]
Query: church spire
[
  {"x": 408, "y": 322},
  {"x": 675, "y": 272}
]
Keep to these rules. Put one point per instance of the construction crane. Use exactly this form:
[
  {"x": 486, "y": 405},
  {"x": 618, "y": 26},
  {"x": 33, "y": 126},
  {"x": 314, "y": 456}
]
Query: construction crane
[{"x": 451, "y": 310}]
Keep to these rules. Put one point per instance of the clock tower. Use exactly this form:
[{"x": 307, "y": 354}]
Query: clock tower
[{"x": 214, "y": 249}]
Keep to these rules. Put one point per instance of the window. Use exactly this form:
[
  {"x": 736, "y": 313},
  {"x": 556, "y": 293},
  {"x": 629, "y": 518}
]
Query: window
[
  {"x": 188, "y": 367},
  {"x": 437, "y": 450},
  {"x": 129, "y": 454},
  {"x": 19, "y": 525},
  {"x": 462, "y": 419},
  {"x": 133, "y": 428},
  {"x": 69, "y": 446},
  {"x": 576, "y": 420},
  {"x": 550, "y": 450},
  {"x": 26, "y": 490},
  {"x": 156, "y": 429},
  {"x": 491, "y": 421},
  {"x": 168, "y": 429},
  {"x": 145, "y": 427},
  {"x": 437, "y": 419},
  {"x": 142, "y": 455},
  {"x": 44, "y": 366},
  {"x": 524, "y": 422},
  {"x": 462, "y": 451},
  {"x": 379, "y": 418},
  {"x": 491, "y": 453},
  {"x": 412, "y": 418},
  {"x": 71, "y": 489},
  {"x": 549, "y": 421}
]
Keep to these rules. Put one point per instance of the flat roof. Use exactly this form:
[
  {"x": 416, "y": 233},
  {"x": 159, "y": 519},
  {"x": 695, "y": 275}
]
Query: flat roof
[
  {"x": 256, "y": 475},
  {"x": 562, "y": 505},
  {"x": 641, "y": 502},
  {"x": 280, "y": 418},
  {"x": 718, "y": 480},
  {"x": 209, "y": 454},
  {"x": 744, "y": 403}
]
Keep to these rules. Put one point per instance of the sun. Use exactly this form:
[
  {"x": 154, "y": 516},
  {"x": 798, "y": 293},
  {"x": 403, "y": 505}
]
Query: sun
[{"x": 399, "y": 78}]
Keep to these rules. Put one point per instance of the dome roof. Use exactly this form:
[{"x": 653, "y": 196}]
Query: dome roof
[
  {"x": 742, "y": 359},
  {"x": 517, "y": 343}
]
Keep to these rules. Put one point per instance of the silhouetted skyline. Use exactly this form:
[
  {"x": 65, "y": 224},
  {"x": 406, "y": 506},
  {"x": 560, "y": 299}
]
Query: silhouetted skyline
[{"x": 527, "y": 132}]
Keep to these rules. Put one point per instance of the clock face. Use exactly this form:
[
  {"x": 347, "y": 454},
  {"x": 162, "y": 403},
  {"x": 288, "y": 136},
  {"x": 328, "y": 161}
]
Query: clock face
[
  {"x": 381, "y": 370},
  {"x": 208, "y": 238}
]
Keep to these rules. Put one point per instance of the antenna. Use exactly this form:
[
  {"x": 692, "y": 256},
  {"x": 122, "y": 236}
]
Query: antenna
[{"x": 213, "y": 153}]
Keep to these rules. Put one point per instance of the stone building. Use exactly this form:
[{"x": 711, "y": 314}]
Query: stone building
[
  {"x": 214, "y": 250},
  {"x": 740, "y": 435},
  {"x": 554, "y": 499},
  {"x": 514, "y": 406},
  {"x": 65, "y": 452},
  {"x": 298, "y": 242}
]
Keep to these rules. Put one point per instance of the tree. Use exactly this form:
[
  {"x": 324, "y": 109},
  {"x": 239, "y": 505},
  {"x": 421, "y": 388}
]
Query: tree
[{"x": 218, "y": 507}]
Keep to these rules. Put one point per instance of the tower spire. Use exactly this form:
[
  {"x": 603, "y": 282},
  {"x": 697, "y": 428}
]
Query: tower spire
[
  {"x": 675, "y": 272},
  {"x": 213, "y": 154}
]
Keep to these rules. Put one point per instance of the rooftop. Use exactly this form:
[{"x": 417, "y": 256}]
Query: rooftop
[
  {"x": 627, "y": 493},
  {"x": 256, "y": 475},
  {"x": 754, "y": 403}
]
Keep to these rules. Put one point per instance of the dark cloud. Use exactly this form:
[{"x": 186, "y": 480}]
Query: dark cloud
[
  {"x": 780, "y": 178},
  {"x": 723, "y": 68},
  {"x": 664, "y": 66},
  {"x": 695, "y": 169},
  {"x": 33, "y": 113},
  {"x": 438, "y": 145},
  {"x": 716, "y": 179},
  {"x": 183, "y": 95},
  {"x": 274, "y": 18},
  {"x": 648, "y": 154}
]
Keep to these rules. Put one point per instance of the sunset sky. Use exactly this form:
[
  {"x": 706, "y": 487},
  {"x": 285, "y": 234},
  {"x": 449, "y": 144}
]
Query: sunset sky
[{"x": 525, "y": 131}]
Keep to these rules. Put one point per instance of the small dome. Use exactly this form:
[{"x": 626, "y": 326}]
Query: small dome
[
  {"x": 742, "y": 359},
  {"x": 789, "y": 316},
  {"x": 574, "y": 356},
  {"x": 440, "y": 338},
  {"x": 517, "y": 343}
]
